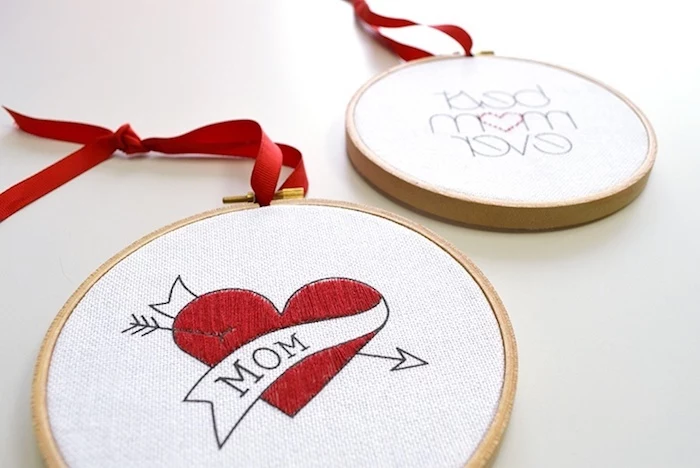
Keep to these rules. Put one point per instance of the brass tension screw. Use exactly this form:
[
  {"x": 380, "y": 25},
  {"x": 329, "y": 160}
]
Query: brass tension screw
[{"x": 284, "y": 194}]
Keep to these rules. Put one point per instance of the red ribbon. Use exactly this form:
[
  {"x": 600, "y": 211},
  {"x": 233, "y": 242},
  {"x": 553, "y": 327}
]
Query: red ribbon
[
  {"x": 374, "y": 21},
  {"x": 234, "y": 138}
]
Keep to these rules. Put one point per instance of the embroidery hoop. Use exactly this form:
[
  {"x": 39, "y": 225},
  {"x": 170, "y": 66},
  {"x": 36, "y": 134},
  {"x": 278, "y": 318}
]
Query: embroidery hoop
[
  {"x": 488, "y": 213},
  {"x": 487, "y": 447}
]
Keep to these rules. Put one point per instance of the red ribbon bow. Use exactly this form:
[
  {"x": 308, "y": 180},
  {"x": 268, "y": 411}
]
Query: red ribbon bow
[
  {"x": 234, "y": 138},
  {"x": 374, "y": 21}
]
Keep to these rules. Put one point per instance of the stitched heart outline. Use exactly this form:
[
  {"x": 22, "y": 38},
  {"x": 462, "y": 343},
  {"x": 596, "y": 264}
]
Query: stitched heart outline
[{"x": 498, "y": 123}]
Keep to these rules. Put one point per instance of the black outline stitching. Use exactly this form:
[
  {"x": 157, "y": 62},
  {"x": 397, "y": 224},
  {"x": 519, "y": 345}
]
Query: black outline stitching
[
  {"x": 140, "y": 325},
  {"x": 170, "y": 296}
]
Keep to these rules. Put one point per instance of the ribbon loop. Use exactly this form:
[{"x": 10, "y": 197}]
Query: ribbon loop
[
  {"x": 374, "y": 22},
  {"x": 128, "y": 141},
  {"x": 233, "y": 138}
]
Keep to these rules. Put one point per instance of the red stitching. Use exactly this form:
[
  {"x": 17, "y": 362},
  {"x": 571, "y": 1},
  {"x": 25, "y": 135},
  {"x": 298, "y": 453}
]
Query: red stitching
[
  {"x": 215, "y": 324},
  {"x": 500, "y": 116}
]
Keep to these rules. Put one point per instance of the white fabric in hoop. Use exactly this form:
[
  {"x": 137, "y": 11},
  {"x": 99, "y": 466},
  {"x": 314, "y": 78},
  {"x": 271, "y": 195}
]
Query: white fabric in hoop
[
  {"x": 117, "y": 400},
  {"x": 501, "y": 129}
]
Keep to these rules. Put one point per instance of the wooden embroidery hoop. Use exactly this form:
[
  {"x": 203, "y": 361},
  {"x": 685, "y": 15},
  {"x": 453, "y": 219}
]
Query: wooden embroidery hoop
[
  {"x": 482, "y": 212},
  {"x": 485, "y": 451}
]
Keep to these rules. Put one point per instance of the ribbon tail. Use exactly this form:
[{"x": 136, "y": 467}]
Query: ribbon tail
[
  {"x": 73, "y": 132},
  {"x": 29, "y": 190}
]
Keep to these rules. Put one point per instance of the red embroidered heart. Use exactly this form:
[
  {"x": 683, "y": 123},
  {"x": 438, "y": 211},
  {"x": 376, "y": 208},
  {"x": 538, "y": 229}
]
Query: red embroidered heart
[
  {"x": 215, "y": 324},
  {"x": 504, "y": 122}
]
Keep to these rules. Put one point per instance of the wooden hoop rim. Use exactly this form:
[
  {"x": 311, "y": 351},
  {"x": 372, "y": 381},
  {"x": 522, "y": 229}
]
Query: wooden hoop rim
[
  {"x": 484, "y": 452},
  {"x": 483, "y": 212}
]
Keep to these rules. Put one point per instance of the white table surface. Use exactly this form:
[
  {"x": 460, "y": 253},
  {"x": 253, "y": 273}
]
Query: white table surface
[{"x": 605, "y": 315}]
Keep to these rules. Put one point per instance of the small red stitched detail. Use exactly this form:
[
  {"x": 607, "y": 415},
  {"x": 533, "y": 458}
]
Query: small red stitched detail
[{"x": 497, "y": 120}]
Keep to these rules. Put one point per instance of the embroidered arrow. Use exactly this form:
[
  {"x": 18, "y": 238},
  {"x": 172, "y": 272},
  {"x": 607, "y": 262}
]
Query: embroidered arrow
[
  {"x": 143, "y": 326},
  {"x": 405, "y": 359}
]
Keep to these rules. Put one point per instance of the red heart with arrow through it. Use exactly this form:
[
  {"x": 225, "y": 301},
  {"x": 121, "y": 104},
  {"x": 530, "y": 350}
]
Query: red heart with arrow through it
[{"x": 214, "y": 325}]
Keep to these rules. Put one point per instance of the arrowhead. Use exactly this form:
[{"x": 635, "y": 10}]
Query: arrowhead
[{"x": 408, "y": 361}]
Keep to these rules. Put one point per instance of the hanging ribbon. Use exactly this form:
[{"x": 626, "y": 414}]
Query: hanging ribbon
[
  {"x": 374, "y": 22},
  {"x": 234, "y": 138}
]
